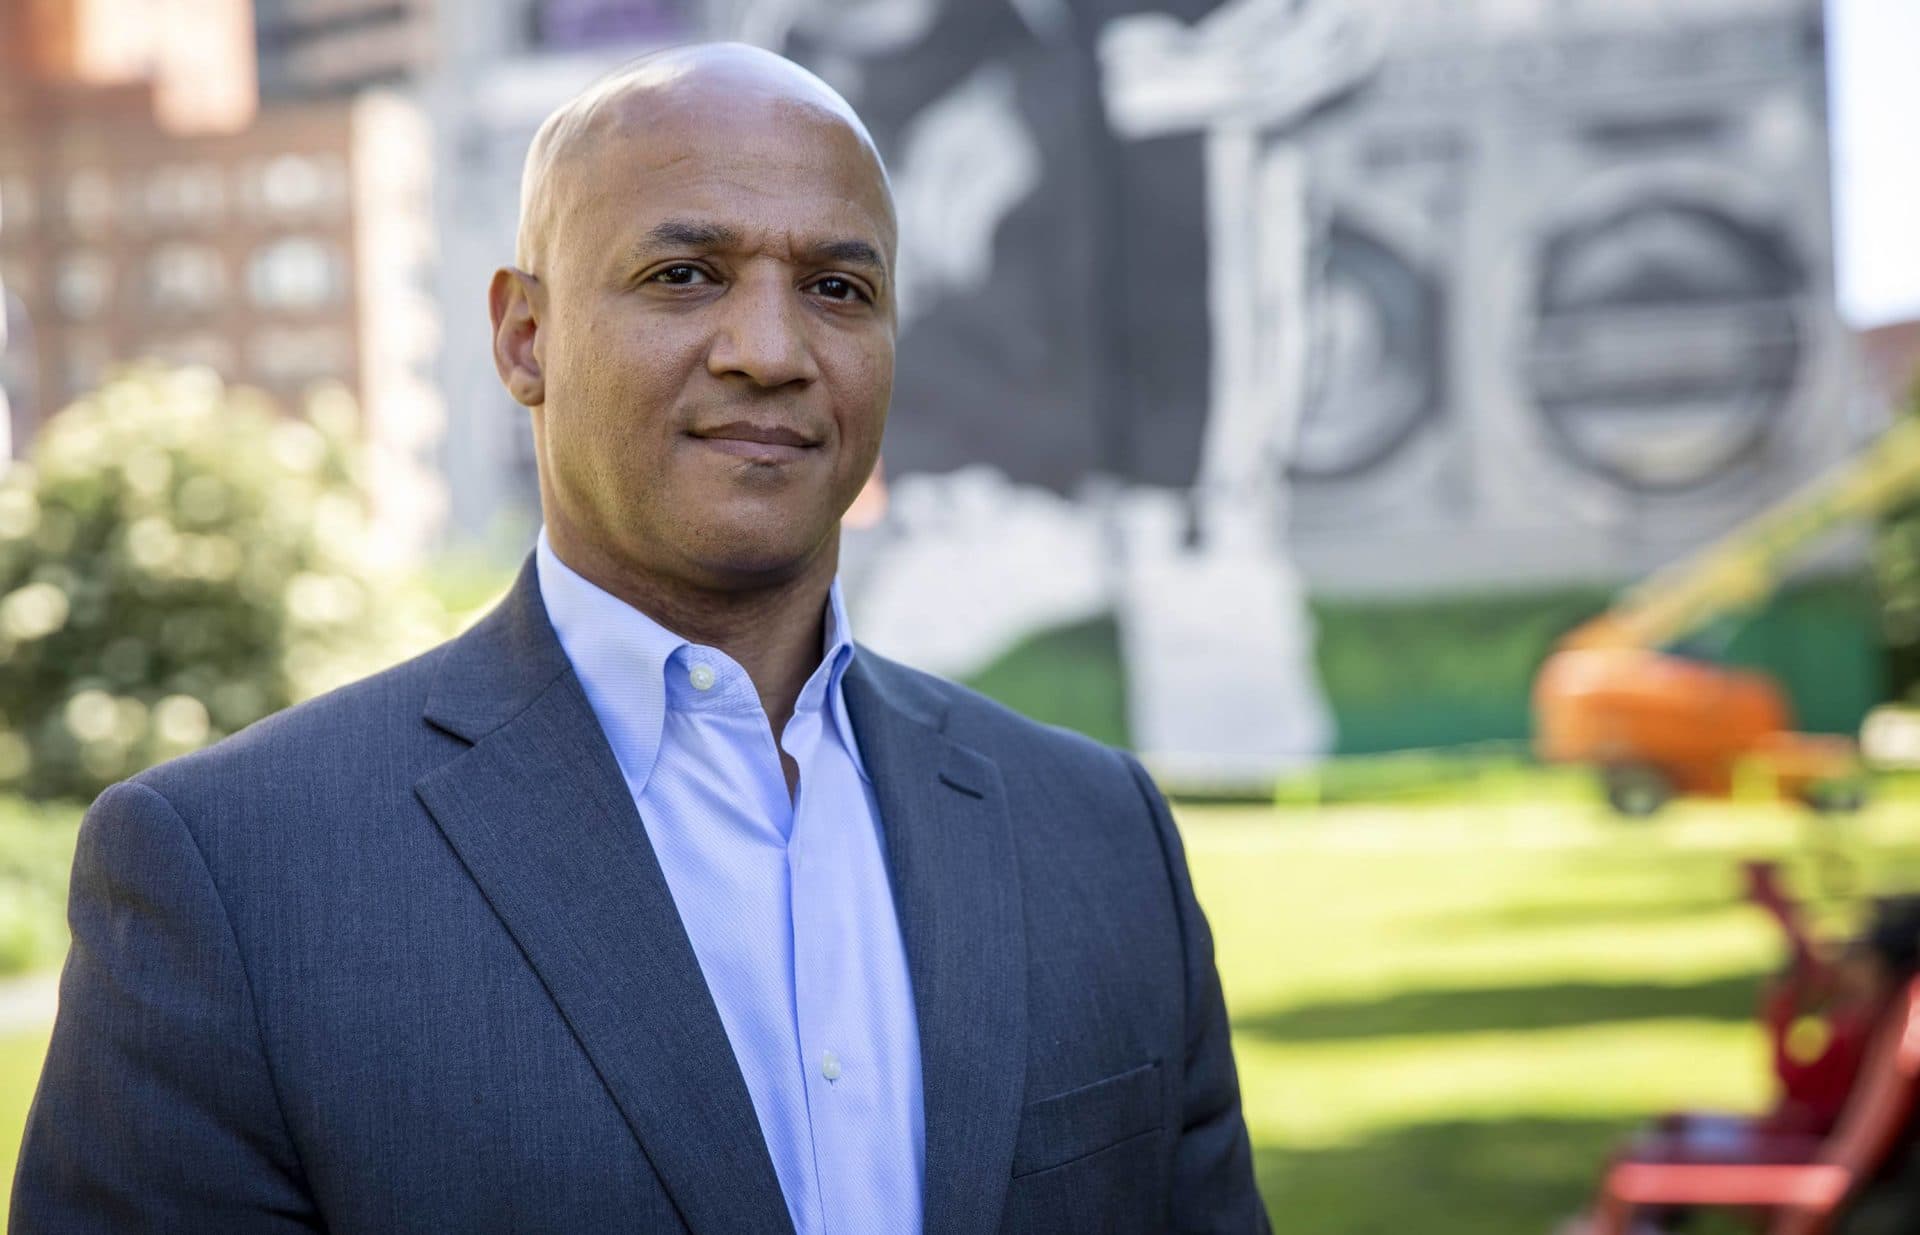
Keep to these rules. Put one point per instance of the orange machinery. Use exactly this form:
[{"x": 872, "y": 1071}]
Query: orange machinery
[{"x": 1657, "y": 725}]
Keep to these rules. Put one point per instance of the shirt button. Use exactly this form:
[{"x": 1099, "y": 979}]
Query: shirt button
[
  {"x": 701, "y": 676},
  {"x": 830, "y": 1066}
]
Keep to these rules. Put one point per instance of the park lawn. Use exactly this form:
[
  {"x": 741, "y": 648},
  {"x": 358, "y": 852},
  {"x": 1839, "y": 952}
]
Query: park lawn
[
  {"x": 1445, "y": 1014},
  {"x": 20, "y": 1057}
]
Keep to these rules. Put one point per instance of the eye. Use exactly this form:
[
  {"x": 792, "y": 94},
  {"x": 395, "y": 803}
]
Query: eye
[
  {"x": 680, "y": 276},
  {"x": 833, "y": 287}
]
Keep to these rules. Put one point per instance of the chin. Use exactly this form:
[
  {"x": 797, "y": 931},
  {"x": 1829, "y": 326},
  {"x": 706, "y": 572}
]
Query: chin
[{"x": 757, "y": 553}]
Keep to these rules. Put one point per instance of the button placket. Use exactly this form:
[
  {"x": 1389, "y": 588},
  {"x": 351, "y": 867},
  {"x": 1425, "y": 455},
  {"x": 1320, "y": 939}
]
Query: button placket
[{"x": 804, "y": 890}]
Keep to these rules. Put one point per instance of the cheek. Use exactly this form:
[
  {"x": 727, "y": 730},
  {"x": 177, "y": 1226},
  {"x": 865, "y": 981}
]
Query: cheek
[
  {"x": 628, "y": 377},
  {"x": 641, "y": 362},
  {"x": 614, "y": 405},
  {"x": 865, "y": 388}
]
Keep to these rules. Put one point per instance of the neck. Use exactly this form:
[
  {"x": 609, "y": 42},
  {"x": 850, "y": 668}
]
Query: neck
[{"x": 774, "y": 632}]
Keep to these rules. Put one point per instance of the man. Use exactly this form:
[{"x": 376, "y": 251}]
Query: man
[{"x": 545, "y": 931}]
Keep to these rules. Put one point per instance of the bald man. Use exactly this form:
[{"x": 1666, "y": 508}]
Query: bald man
[{"x": 653, "y": 903}]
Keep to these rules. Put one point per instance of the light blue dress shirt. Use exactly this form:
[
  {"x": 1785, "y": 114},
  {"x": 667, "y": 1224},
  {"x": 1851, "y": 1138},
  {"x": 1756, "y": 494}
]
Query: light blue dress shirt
[{"x": 786, "y": 900}]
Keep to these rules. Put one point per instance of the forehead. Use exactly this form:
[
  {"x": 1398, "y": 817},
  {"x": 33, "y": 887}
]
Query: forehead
[{"x": 760, "y": 167}]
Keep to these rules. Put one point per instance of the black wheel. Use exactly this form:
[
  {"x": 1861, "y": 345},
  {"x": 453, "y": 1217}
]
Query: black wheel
[
  {"x": 1637, "y": 791},
  {"x": 1840, "y": 797}
]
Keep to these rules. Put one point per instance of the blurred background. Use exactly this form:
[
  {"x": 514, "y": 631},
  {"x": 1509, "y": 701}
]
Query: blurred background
[{"x": 1466, "y": 446}]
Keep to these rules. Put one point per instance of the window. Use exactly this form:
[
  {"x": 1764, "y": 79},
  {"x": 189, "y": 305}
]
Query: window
[
  {"x": 185, "y": 276},
  {"x": 297, "y": 273},
  {"x": 185, "y": 194},
  {"x": 297, "y": 186},
  {"x": 83, "y": 285}
]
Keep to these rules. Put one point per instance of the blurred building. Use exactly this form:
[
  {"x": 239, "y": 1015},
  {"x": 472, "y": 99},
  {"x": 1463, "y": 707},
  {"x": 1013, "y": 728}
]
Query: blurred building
[
  {"x": 323, "y": 48},
  {"x": 1892, "y": 354},
  {"x": 285, "y": 248},
  {"x": 196, "y": 55},
  {"x": 531, "y": 56}
]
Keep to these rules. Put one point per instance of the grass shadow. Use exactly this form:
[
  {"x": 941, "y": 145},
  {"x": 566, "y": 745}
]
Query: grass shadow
[
  {"x": 1461, "y": 1011},
  {"x": 1536, "y": 915},
  {"x": 1518, "y": 1177}
]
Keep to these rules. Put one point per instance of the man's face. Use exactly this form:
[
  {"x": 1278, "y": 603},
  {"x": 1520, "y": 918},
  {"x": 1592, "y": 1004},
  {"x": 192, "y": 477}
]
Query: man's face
[{"x": 716, "y": 341}]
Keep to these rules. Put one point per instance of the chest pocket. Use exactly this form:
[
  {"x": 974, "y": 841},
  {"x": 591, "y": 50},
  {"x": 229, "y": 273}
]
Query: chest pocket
[{"x": 1082, "y": 1122}]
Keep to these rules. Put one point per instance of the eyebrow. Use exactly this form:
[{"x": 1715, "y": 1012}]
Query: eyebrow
[
  {"x": 847, "y": 253},
  {"x": 687, "y": 234},
  {"x": 684, "y": 234}
]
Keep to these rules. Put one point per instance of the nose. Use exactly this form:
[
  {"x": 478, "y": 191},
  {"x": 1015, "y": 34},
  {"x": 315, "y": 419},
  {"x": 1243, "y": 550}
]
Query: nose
[{"x": 762, "y": 336}]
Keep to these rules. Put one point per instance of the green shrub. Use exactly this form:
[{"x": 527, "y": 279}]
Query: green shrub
[{"x": 178, "y": 560}]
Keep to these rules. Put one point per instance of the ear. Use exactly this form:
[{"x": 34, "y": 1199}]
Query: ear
[{"x": 516, "y": 331}]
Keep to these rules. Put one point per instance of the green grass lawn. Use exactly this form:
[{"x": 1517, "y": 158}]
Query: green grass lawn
[
  {"x": 20, "y": 1057},
  {"x": 1445, "y": 1013}
]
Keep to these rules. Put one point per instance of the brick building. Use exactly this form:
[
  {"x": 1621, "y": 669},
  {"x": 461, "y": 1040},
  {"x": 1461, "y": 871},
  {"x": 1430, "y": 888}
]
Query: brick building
[{"x": 284, "y": 246}]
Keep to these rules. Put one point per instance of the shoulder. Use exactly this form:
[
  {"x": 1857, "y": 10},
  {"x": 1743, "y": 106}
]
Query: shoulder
[{"x": 322, "y": 749}]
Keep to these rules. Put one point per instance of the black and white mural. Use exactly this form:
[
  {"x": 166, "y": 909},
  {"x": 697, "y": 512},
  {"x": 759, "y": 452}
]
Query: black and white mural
[
  {"x": 1078, "y": 423},
  {"x": 1210, "y": 305}
]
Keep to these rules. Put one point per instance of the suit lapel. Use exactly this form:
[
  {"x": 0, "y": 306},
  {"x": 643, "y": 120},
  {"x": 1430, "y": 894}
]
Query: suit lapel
[
  {"x": 540, "y": 816},
  {"x": 957, "y": 893}
]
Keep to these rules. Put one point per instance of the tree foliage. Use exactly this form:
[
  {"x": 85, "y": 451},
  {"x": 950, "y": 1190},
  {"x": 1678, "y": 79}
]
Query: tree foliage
[{"x": 178, "y": 560}]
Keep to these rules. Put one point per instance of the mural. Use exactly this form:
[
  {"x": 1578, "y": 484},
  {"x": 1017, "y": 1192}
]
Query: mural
[
  {"x": 1714, "y": 292},
  {"x": 1214, "y": 306},
  {"x": 567, "y": 25},
  {"x": 1059, "y": 294}
]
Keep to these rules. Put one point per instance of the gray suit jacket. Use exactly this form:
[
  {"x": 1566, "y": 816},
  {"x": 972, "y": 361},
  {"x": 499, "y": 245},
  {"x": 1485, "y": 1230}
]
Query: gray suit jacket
[{"x": 401, "y": 959}]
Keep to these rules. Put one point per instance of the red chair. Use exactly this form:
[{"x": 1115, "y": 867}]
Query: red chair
[{"x": 1793, "y": 1197}]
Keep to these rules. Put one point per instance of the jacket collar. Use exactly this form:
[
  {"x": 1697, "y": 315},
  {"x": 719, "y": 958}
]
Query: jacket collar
[{"x": 500, "y": 665}]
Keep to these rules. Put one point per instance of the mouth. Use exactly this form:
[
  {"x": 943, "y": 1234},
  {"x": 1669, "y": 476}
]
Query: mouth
[{"x": 758, "y": 443}]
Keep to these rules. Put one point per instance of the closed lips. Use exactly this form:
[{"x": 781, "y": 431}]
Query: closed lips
[{"x": 765, "y": 435}]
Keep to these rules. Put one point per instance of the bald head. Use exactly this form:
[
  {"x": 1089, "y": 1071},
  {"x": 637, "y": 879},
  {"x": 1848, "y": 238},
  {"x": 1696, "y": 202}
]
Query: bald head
[
  {"x": 715, "y": 82},
  {"x": 701, "y": 323}
]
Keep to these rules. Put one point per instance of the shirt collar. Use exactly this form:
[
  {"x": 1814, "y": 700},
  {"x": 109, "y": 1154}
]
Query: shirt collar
[{"x": 622, "y": 658}]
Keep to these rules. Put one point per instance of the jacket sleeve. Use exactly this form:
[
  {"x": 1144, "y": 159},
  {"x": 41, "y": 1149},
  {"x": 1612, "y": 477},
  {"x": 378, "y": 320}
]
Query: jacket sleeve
[
  {"x": 1213, "y": 1182},
  {"x": 157, "y": 1109}
]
